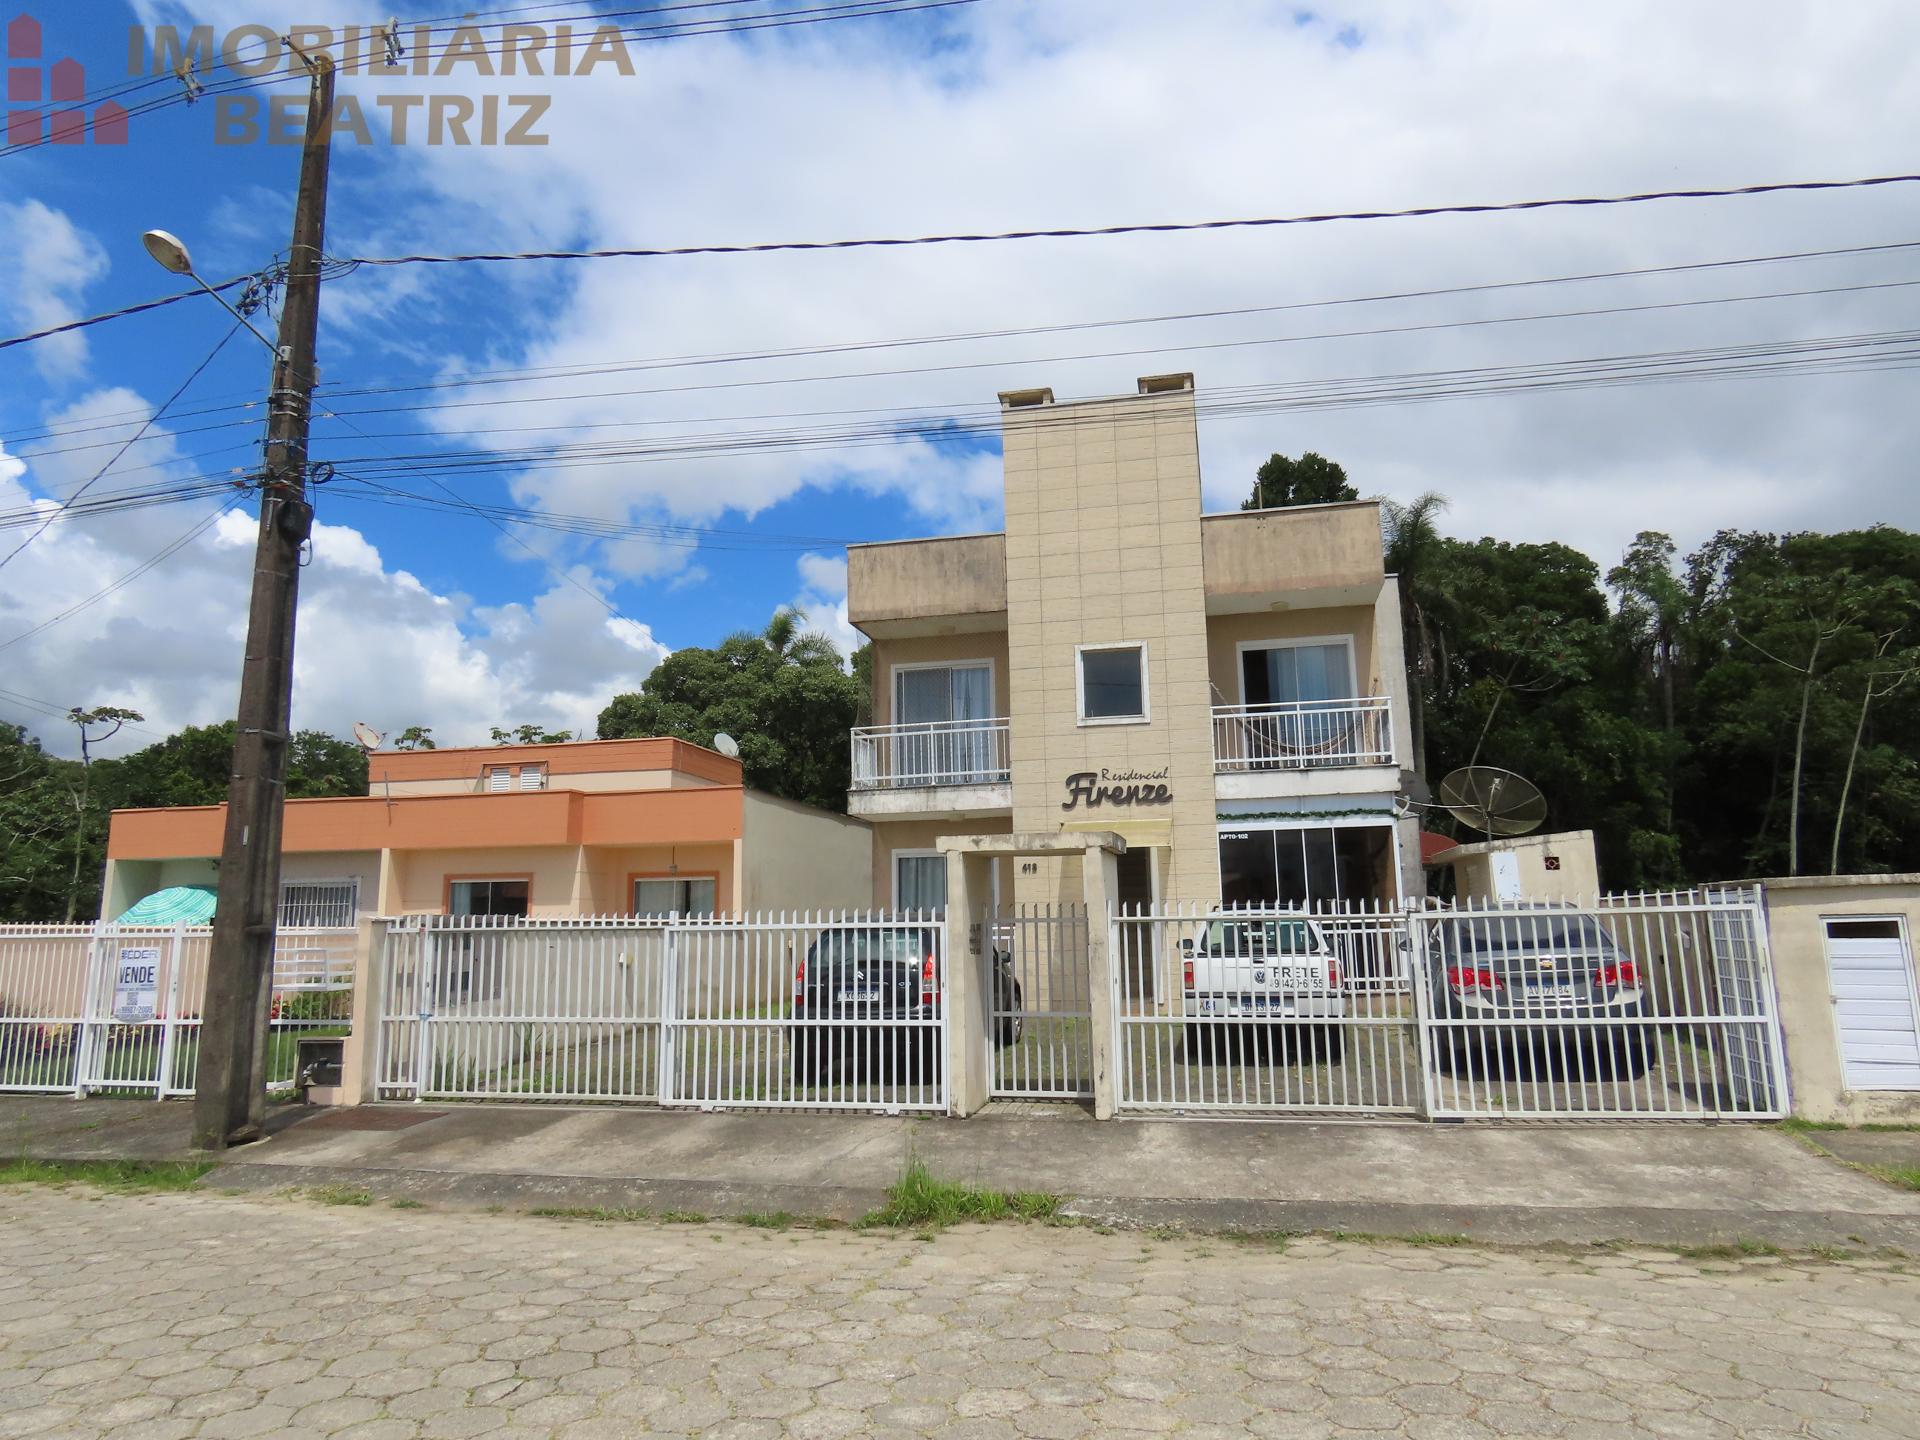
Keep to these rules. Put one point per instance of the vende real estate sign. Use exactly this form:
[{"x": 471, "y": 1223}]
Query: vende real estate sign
[{"x": 136, "y": 984}]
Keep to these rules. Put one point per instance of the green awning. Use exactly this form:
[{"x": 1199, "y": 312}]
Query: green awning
[{"x": 176, "y": 905}]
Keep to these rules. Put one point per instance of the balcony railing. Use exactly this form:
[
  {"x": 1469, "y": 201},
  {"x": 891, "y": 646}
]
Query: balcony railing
[
  {"x": 946, "y": 752},
  {"x": 1303, "y": 735}
]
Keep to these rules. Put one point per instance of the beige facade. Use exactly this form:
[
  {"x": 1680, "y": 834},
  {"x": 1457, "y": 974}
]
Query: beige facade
[
  {"x": 1805, "y": 917},
  {"x": 1107, "y": 550}
]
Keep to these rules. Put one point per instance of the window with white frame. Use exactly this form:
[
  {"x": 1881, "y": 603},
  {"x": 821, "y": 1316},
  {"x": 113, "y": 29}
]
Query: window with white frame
[
  {"x": 1112, "y": 683},
  {"x": 499, "y": 778},
  {"x": 533, "y": 777}
]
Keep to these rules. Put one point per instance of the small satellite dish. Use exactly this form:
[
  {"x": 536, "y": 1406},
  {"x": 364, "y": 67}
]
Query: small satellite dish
[
  {"x": 368, "y": 737},
  {"x": 727, "y": 745},
  {"x": 1414, "y": 789},
  {"x": 1496, "y": 801}
]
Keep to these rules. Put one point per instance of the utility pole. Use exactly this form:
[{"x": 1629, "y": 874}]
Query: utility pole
[{"x": 229, "y": 1103}]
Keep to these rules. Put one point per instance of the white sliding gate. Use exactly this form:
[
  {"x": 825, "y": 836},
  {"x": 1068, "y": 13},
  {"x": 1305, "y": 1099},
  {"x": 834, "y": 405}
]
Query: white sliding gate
[
  {"x": 1267, "y": 1010},
  {"x": 1640, "y": 1006},
  {"x": 77, "y": 1014},
  {"x": 1634, "y": 1006},
  {"x": 821, "y": 1010}
]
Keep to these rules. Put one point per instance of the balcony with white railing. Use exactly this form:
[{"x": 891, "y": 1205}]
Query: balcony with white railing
[
  {"x": 942, "y": 767},
  {"x": 1303, "y": 735}
]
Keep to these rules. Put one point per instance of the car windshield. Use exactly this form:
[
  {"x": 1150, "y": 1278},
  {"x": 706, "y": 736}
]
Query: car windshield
[
  {"x": 1260, "y": 938},
  {"x": 1522, "y": 934},
  {"x": 878, "y": 945}
]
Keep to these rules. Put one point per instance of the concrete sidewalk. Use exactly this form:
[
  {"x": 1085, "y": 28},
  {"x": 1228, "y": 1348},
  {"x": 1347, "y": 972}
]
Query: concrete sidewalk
[{"x": 1515, "y": 1183}]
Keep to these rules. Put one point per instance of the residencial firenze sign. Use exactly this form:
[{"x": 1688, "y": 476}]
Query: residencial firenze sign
[{"x": 1117, "y": 787}]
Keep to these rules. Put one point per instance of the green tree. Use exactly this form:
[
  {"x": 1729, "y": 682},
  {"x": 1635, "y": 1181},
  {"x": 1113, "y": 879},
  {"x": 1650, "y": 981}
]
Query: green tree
[
  {"x": 1414, "y": 550},
  {"x": 528, "y": 735},
  {"x": 1311, "y": 480},
  {"x": 36, "y": 828},
  {"x": 415, "y": 737},
  {"x": 783, "y": 694}
]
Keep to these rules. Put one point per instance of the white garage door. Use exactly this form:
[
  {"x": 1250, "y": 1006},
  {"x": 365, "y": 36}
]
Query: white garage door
[{"x": 1874, "y": 1003}]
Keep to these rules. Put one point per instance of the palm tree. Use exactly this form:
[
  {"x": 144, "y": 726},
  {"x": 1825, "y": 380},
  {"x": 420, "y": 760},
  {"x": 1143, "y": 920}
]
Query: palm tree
[{"x": 1413, "y": 546}]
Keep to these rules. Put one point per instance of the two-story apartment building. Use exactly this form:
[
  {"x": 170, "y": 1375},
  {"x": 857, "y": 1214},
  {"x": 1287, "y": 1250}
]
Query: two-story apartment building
[{"x": 1226, "y": 691}]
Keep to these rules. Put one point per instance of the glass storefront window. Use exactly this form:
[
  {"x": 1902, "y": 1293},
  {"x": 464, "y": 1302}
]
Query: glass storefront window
[{"x": 1307, "y": 865}]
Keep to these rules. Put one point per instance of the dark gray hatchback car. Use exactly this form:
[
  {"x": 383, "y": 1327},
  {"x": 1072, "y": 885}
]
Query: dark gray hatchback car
[{"x": 1545, "y": 983}]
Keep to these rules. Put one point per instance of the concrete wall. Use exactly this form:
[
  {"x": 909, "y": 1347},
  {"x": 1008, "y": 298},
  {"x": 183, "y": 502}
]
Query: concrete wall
[
  {"x": 988, "y": 645},
  {"x": 1303, "y": 547},
  {"x": 903, "y": 580},
  {"x": 799, "y": 858},
  {"x": 128, "y": 881},
  {"x": 1796, "y": 911},
  {"x": 1104, "y": 545},
  {"x": 1576, "y": 878}
]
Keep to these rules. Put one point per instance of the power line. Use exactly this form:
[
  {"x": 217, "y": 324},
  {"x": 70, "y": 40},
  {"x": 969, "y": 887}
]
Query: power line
[
  {"x": 139, "y": 309},
  {"x": 1159, "y": 228},
  {"x": 533, "y": 374},
  {"x": 127, "y": 579},
  {"x": 145, "y": 425},
  {"x": 764, "y": 382}
]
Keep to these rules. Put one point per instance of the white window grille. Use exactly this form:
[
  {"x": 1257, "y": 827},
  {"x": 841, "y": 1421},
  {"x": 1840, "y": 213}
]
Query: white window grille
[
  {"x": 319, "y": 904},
  {"x": 533, "y": 777},
  {"x": 499, "y": 778}
]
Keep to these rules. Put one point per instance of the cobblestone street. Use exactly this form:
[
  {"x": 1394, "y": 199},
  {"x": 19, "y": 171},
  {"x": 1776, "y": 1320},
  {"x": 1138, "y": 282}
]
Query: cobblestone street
[{"x": 206, "y": 1315}]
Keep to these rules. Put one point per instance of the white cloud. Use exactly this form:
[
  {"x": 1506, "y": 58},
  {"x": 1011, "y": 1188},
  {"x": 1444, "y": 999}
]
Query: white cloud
[
  {"x": 50, "y": 263},
  {"x": 374, "y": 642},
  {"x": 822, "y": 601}
]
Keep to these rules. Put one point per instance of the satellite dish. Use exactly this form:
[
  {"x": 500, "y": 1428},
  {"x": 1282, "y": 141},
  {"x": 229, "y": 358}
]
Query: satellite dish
[
  {"x": 368, "y": 737},
  {"x": 1496, "y": 801},
  {"x": 727, "y": 745},
  {"x": 1414, "y": 789}
]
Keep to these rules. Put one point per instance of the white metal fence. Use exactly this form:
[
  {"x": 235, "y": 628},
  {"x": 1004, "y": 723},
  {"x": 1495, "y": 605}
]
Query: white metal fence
[
  {"x": 116, "y": 1008},
  {"x": 819, "y": 1010},
  {"x": 1303, "y": 734},
  {"x": 1267, "y": 1010},
  {"x": 1651, "y": 1005}
]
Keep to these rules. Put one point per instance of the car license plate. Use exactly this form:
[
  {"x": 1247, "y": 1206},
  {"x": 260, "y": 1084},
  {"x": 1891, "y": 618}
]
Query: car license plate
[
  {"x": 864, "y": 996},
  {"x": 1551, "y": 992}
]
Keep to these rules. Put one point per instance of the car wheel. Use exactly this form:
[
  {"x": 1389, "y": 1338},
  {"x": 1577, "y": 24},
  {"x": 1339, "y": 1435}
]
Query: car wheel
[{"x": 1014, "y": 1025}]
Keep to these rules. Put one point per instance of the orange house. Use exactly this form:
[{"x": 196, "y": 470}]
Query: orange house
[{"x": 592, "y": 827}]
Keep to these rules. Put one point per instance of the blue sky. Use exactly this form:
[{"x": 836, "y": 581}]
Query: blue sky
[{"x": 1004, "y": 114}]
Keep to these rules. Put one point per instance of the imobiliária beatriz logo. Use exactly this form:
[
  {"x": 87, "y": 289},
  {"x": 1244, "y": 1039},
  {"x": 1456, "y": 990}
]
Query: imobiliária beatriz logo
[{"x": 55, "y": 93}]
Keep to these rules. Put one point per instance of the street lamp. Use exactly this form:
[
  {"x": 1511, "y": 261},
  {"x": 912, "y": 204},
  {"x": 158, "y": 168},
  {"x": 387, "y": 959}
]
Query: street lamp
[{"x": 171, "y": 253}]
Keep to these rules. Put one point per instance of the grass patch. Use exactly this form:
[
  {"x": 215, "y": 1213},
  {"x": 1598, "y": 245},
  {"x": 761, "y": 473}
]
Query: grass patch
[
  {"x": 339, "y": 1194},
  {"x": 120, "y": 1177},
  {"x": 1907, "y": 1177},
  {"x": 404, "y": 1203},
  {"x": 1419, "y": 1237},
  {"x": 1795, "y": 1125},
  {"x": 775, "y": 1220},
  {"x": 917, "y": 1201},
  {"x": 587, "y": 1212},
  {"x": 1738, "y": 1250}
]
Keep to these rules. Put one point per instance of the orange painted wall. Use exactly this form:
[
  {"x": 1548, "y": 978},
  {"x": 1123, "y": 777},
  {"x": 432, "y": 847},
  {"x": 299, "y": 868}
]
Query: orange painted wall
[
  {"x": 578, "y": 757},
  {"x": 449, "y": 822}
]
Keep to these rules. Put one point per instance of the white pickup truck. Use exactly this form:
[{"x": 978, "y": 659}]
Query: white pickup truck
[{"x": 1244, "y": 974}]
